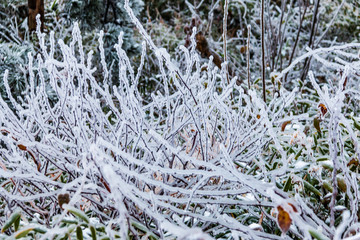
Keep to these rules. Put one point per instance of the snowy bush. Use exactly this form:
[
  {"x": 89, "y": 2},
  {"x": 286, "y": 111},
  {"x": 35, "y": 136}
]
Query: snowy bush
[{"x": 204, "y": 159}]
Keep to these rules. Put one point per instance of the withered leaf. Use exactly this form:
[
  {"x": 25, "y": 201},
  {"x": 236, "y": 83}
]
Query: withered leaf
[
  {"x": 63, "y": 199},
  {"x": 323, "y": 109},
  {"x": 22, "y": 147},
  {"x": 283, "y": 126},
  {"x": 353, "y": 161},
  {"x": 284, "y": 220},
  {"x": 293, "y": 207}
]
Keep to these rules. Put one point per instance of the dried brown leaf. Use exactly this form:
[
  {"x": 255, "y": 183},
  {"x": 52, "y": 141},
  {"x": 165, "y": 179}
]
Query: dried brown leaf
[{"x": 284, "y": 219}]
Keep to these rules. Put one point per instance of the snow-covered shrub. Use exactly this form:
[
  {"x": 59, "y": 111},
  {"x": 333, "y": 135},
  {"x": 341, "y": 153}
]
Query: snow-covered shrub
[
  {"x": 109, "y": 16},
  {"x": 204, "y": 159},
  {"x": 13, "y": 56},
  {"x": 13, "y": 50}
]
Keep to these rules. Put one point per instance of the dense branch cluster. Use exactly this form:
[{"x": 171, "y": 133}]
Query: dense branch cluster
[{"x": 203, "y": 158}]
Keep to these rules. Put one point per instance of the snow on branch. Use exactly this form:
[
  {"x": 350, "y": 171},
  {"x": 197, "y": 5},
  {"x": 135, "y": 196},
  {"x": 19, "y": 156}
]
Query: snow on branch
[{"x": 196, "y": 156}]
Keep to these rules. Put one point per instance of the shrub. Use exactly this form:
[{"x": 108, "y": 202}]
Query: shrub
[{"x": 204, "y": 159}]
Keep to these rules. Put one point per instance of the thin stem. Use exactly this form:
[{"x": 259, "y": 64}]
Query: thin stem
[
  {"x": 297, "y": 38},
  {"x": 263, "y": 49},
  {"x": 279, "y": 37},
  {"x": 334, "y": 156},
  {"x": 248, "y": 54},
  {"x": 282, "y": 36},
  {"x": 310, "y": 44},
  {"x": 330, "y": 24},
  {"x": 226, "y": 6}
]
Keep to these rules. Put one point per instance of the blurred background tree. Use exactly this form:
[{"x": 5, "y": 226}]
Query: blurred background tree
[{"x": 35, "y": 7}]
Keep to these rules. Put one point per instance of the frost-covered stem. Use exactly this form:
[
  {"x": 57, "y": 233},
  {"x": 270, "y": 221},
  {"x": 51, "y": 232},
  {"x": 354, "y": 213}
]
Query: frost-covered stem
[
  {"x": 248, "y": 54},
  {"x": 313, "y": 25},
  {"x": 282, "y": 36},
  {"x": 334, "y": 152},
  {"x": 263, "y": 49},
  {"x": 226, "y": 9},
  {"x": 330, "y": 24},
  {"x": 102, "y": 56},
  {"x": 314, "y": 52},
  {"x": 311, "y": 38},
  {"x": 279, "y": 37},
  {"x": 297, "y": 38},
  {"x": 211, "y": 15},
  {"x": 164, "y": 55}
]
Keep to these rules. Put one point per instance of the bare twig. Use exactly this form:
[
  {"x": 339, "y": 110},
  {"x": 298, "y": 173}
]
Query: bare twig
[
  {"x": 311, "y": 39},
  {"x": 330, "y": 24},
  {"x": 248, "y": 55},
  {"x": 297, "y": 38},
  {"x": 226, "y": 9},
  {"x": 263, "y": 66}
]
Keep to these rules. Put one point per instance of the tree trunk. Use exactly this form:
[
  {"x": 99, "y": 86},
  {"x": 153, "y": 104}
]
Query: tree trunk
[{"x": 35, "y": 7}]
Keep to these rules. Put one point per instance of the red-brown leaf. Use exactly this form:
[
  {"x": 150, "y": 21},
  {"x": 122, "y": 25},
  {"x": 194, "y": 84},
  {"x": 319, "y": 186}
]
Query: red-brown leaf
[{"x": 284, "y": 220}]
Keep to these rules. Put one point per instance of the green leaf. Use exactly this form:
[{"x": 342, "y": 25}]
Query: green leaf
[
  {"x": 17, "y": 224},
  {"x": 288, "y": 184},
  {"x": 93, "y": 231},
  {"x": 12, "y": 219},
  {"x": 69, "y": 221},
  {"x": 327, "y": 186},
  {"x": 327, "y": 166},
  {"x": 356, "y": 124},
  {"x": 298, "y": 154},
  {"x": 80, "y": 214},
  {"x": 23, "y": 232},
  {"x": 317, "y": 124},
  {"x": 317, "y": 235},
  {"x": 53, "y": 5},
  {"x": 40, "y": 230},
  {"x": 323, "y": 158},
  {"x": 105, "y": 238},
  {"x": 341, "y": 184},
  {"x": 315, "y": 140},
  {"x": 311, "y": 188},
  {"x": 79, "y": 233},
  {"x": 143, "y": 228}
]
